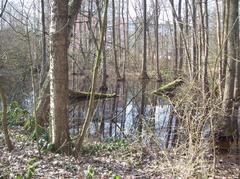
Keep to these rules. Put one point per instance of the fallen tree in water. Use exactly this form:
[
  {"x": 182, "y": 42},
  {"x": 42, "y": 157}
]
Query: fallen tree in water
[
  {"x": 168, "y": 89},
  {"x": 42, "y": 111},
  {"x": 76, "y": 96}
]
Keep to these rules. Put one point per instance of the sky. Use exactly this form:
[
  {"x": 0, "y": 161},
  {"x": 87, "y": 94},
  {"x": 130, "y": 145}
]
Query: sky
[{"x": 165, "y": 12}]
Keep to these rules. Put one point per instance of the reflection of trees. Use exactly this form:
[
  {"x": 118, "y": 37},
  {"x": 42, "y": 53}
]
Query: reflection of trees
[{"x": 142, "y": 109}]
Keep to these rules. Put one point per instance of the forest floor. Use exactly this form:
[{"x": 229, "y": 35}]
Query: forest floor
[{"x": 104, "y": 160}]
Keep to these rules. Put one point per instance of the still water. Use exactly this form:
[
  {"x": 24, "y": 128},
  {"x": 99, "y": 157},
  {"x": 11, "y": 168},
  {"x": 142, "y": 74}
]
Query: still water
[{"x": 134, "y": 111}]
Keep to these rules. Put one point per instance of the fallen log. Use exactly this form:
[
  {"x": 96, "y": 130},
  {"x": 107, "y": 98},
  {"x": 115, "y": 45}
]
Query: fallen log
[
  {"x": 168, "y": 89},
  {"x": 77, "y": 96},
  {"x": 43, "y": 106}
]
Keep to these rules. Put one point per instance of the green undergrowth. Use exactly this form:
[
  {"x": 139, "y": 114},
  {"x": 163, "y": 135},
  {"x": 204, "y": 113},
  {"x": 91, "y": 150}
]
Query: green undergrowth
[
  {"x": 16, "y": 114},
  {"x": 90, "y": 173},
  {"x": 108, "y": 145}
]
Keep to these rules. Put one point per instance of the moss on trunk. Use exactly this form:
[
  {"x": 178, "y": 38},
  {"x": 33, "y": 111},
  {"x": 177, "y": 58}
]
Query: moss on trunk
[
  {"x": 75, "y": 96},
  {"x": 168, "y": 89}
]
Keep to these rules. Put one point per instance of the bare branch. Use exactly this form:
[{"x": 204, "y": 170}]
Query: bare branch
[{"x": 4, "y": 7}]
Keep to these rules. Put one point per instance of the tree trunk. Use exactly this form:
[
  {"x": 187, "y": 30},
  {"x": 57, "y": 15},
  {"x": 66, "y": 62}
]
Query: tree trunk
[
  {"x": 141, "y": 116},
  {"x": 201, "y": 41},
  {"x": 44, "y": 64},
  {"x": 194, "y": 40},
  {"x": 219, "y": 40},
  {"x": 125, "y": 37},
  {"x": 72, "y": 14},
  {"x": 88, "y": 118},
  {"x": 156, "y": 40},
  {"x": 186, "y": 33},
  {"x": 175, "y": 39},
  {"x": 206, "y": 45},
  {"x": 169, "y": 131},
  {"x": 181, "y": 46},
  {"x": 114, "y": 41},
  {"x": 4, "y": 120},
  {"x": 124, "y": 92},
  {"x": 113, "y": 110},
  {"x": 225, "y": 42},
  {"x": 59, "y": 75},
  {"x": 42, "y": 111},
  {"x": 102, "y": 119},
  {"x": 103, "y": 87},
  {"x": 184, "y": 39},
  {"x": 228, "y": 130},
  {"x": 237, "y": 89},
  {"x": 42, "y": 107},
  {"x": 144, "y": 74}
]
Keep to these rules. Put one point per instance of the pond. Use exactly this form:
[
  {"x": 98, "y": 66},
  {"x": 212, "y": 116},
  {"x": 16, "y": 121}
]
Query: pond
[{"x": 135, "y": 111}]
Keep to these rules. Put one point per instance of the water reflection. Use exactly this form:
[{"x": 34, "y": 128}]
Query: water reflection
[{"x": 135, "y": 113}]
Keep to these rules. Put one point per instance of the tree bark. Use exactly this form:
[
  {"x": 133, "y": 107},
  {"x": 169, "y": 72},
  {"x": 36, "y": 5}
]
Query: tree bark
[
  {"x": 144, "y": 74},
  {"x": 87, "y": 121},
  {"x": 114, "y": 41},
  {"x": 206, "y": 45},
  {"x": 228, "y": 128},
  {"x": 225, "y": 38},
  {"x": 219, "y": 40},
  {"x": 113, "y": 110},
  {"x": 103, "y": 87},
  {"x": 4, "y": 120},
  {"x": 181, "y": 46},
  {"x": 141, "y": 116},
  {"x": 175, "y": 39},
  {"x": 125, "y": 37},
  {"x": 194, "y": 39},
  {"x": 59, "y": 75},
  {"x": 186, "y": 33},
  {"x": 42, "y": 111},
  {"x": 44, "y": 64},
  {"x": 156, "y": 40},
  {"x": 72, "y": 14},
  {"x": 43, "y": 101}
]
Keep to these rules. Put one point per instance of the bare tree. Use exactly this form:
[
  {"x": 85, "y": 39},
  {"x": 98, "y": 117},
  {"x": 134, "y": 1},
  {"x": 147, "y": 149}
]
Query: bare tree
[
  {"x": 144, "y": 74},
  {"x": 125, "y": 34},
  {"x": 181, "y": 46},
  {"x": 219, "y": 40},
  {"x": 43, "y": 101},
  {"x": 228, "y": 129},
  {"x": 206, "y": 46},
  {"x": 3, "y": 7},
  {"x": 114, "y": 41},
  {"x": 44, "y": 65},
  {"x": 226, "y": 16},
  {"x": 157, "y": 40},
  {"x": 194, "y": 39},
  {"x": 175, "y": 38},
  {"x": 59, "y": 75},
  {"x": 88, "y": 118}
]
